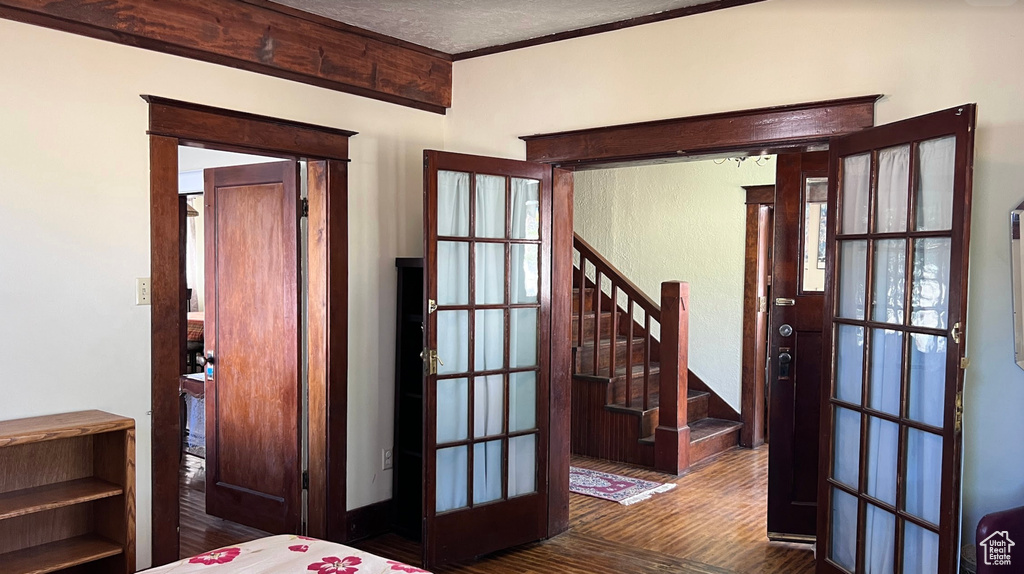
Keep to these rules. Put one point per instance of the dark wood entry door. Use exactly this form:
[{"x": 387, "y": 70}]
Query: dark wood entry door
[
  {"x": 487, "y": 349},
  {"x": 896, "y": 311},
  {"x": 253, "y": 318},
  {"x": 798, "y": 296}
]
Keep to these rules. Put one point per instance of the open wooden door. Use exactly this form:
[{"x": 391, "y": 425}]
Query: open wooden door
[
  {"x": 253, "y": 464},
  {"x": 889, "y": 478},
  {"x": 798, "y": 292},
  {"x": 487, "y": 230}
]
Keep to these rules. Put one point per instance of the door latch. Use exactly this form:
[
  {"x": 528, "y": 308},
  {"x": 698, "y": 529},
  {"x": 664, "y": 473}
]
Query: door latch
[
  {"x": 956, "y": 332},
  {"x": 430, "y": 361},
  {"x": 785, "y": 360}
]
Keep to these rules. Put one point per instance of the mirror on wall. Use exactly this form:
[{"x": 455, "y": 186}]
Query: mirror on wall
[{"x": 1017, "y": 274}]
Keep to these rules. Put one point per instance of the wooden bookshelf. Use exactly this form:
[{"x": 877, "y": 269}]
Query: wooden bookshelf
[{"x": 67, "y": 494}]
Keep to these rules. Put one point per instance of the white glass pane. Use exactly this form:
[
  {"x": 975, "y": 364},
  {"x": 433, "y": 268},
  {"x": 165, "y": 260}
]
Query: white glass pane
[
  {"x": 490, "y": 273},
  {"x": 893, "y": 189},
  {"x": 490, "y": 206},
  {"x": 853, "y": 276},
  {"x": 936, "y": 160},
  {"x": 920, "y": 550},
  {"x": 452, "y": 490},
  {"x": 883, "y": 447},
  {"x": 929, "y": 301},
  {"x": 525, "y": 280},
  {"x": 522, "y": 401},
  {"x": 452, "y": 273},
  {"x": 489, "y": 340},
  {"x": 523, "y": 335},
  {"x": 452, "y": 409},
  {"x": 879, "y": 541},
  {"x": 452, "y": 342},
  {"x": 849, "y": 363},
  {"x": 525, "y": 208},
  {"x": 924, "y": 475},
  {"x": 886, "y": 370},
  {"x": 889, "y": 281},
  {"x": 452, "y": 203},
  {"x": 927, "y": 379},
  {"x": 488, "y": 405},
  {"x": 846, "y": 465},
  {"x": 855, "y": 189},
  {"x": 522, "y": 465},
  {"x": 815, "y": 218},
  {"x": 843, "y": 547},
  {"x": 486, "y": 471}
]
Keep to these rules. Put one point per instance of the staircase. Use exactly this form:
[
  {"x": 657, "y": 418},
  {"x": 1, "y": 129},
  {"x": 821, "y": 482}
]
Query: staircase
[{"x": 617, "y": 374}]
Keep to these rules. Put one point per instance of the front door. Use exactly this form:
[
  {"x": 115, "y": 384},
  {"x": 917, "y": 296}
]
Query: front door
[
  {"x": 488, "y": 288},
  {"x": 798, "y": 295},
  {"x": 252, "y": 345},
  {"x": 889, "y": 479}
]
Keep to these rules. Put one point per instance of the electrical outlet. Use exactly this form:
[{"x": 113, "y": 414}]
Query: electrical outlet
[
  {"x": 142, "y": 292},
  {"x": 387, "y": 459}
]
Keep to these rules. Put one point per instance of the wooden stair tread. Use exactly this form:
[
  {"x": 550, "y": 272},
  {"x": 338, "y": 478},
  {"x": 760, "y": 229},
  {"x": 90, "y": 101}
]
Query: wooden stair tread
[
  {"x": 58, "y": 555},
  {"x": 707, "y": 428},
  {"x": 57, "y": 495}
]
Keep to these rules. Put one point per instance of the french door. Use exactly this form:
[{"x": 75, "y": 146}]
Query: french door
[
  {"x": 890, "y": 452},
  {"x": 487, "y": 230}
]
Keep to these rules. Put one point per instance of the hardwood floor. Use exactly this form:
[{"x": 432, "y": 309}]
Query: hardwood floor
[
  {"x": 714, "y": 522},
  {"x": 201, "y": 532}
]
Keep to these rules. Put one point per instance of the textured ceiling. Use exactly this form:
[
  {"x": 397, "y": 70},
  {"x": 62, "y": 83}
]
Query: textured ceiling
[{"x": 456, "y": 26}]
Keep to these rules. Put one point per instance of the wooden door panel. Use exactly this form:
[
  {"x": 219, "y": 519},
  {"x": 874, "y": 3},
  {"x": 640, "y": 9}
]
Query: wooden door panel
[
  {"x": 487, "y": 285},
  {"x": 252, "y": 330},
  {"x": 896, "y": 322},
  {"x": 794, "y": 395}
]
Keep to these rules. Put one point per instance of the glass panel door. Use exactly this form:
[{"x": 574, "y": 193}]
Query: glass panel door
[
  {"x": 488, "y": 240},
  {"x": 896, "y": 308}
]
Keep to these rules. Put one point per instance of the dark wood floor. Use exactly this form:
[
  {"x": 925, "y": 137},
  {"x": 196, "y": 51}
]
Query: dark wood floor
[
  {"x": 713, "y": 522},
  {"x": 201, "y": 532}
]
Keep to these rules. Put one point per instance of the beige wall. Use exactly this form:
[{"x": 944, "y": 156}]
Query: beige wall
[
  {"x": 680, "y": 221},
  {"x": 74, "y": 201},
  {"x": 923, "y": 56}
]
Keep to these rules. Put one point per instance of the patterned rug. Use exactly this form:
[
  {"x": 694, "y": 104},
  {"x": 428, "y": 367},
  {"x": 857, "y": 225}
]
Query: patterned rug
[{"x": 621, "y": 489}]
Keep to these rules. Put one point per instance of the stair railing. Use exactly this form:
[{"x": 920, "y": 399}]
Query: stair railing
[{"x": 635, "y": 299}]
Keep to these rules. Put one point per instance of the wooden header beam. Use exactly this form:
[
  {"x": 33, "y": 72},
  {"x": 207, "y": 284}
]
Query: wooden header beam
[
  {"x": 258, "y": 37},
  {"x": 769, "y": 129}
]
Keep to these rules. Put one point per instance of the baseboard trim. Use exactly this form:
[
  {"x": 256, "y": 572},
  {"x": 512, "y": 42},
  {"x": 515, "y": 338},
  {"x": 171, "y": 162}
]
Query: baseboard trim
[{"x": 370, "y": 520}]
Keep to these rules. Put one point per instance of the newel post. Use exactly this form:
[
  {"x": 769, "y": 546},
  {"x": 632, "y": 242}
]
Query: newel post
[{"x": 672, "y": 437}]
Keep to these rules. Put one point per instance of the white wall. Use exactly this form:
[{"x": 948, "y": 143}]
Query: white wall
[
  {"x": 923, "y": 56},
  {"x": 680, "y": 221},
  {"x": 74, "y": 201}
]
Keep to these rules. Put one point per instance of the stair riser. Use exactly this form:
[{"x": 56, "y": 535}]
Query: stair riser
[
  {"x": 585, "y": 356},
  {"x": 697, "y": 408},
  {"x": 588, "y": 327},
  {"x": 713, "y": 445},
  {"x": 636, "y": 388},
  {"x": 588, "y": 302}
]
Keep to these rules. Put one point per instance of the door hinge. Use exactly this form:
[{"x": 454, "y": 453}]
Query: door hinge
[
  {"x": 431, "y": 306},
  {"x": 305, "y": 480},
  {"x": 305, "y": 207},
  {"x": 956, "y": 332},
  {"x": 762, "y": 304},
  {"x": 964, "y": 363},
  {"x": 958, "y": 420}
]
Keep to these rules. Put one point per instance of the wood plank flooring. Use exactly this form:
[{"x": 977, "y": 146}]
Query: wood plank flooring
[
  {"x": 713, "y": 522},
  {"x": 201, "y": 532}
]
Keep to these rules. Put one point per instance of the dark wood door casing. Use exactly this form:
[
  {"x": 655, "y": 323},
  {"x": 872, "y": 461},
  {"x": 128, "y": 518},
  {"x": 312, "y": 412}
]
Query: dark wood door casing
[
  {"x": 253, "y": 318},
  {"x": 174, "y": 123},
  {"x": 793, "y": 412}
]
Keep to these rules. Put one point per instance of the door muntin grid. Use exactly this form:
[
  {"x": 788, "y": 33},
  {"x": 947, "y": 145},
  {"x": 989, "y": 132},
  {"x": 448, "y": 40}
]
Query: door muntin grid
[
  {"x": 888, "y": 400},
  {"x": 487, "y": 420}
]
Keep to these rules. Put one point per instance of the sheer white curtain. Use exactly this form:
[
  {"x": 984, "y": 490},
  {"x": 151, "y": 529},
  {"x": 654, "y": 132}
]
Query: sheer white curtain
[{"x": 193, "y": 274}]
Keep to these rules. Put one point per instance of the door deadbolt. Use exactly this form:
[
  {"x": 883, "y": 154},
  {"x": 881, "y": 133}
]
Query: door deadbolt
[{"x": 785, "y": 330}]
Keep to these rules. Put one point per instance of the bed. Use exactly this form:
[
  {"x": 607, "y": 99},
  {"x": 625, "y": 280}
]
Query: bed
[{"x": 287, "y": 554}]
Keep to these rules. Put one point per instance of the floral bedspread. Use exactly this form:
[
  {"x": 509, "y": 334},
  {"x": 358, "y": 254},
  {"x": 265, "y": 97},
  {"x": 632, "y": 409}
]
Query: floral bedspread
[{"x": 287, "y": 554}]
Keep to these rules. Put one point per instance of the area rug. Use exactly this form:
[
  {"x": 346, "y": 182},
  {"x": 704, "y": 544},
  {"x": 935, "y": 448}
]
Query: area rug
[{"x": 621, "y": 489}]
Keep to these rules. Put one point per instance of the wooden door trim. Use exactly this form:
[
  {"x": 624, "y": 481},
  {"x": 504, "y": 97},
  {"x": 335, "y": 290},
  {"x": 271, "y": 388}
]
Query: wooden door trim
[
  {"x": 756, "y": 269},
  {"x": 763, "y": 130},
  {"x": 179, "y": 123}
]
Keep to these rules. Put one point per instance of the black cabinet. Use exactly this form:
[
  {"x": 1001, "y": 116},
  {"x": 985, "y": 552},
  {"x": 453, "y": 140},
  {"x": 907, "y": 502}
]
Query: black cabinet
[{"x": 408, "y": 452}]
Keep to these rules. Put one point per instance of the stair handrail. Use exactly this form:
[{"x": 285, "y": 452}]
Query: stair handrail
[{"x": 646, "y": 303}]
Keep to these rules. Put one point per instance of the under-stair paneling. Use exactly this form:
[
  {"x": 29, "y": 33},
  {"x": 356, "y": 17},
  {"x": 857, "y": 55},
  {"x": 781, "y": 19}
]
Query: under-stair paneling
[{"x": 601, "y": 433}]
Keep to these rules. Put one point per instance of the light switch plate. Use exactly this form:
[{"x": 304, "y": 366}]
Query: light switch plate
[{"x": 143, "y": 295}]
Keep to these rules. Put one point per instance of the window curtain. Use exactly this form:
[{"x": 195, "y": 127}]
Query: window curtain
[{"x": 193, "y": 274}]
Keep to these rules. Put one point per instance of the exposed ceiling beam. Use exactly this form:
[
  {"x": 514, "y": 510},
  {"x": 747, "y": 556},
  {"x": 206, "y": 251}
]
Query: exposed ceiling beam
[{"x": 259, "y": 37}]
